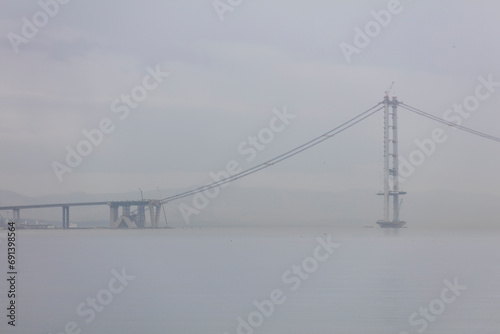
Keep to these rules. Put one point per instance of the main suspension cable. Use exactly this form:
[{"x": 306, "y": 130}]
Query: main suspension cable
[
  {"x": 438, "y": 119},
  {"x": 311, "y": 143}
]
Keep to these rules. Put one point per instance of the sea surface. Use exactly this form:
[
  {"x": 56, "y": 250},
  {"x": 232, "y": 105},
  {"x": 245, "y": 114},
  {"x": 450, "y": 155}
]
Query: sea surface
[{"x": 254, "y": 280}]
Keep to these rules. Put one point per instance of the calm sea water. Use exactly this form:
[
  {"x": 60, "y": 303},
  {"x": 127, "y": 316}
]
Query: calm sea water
[{"x": 244, "y": 281}]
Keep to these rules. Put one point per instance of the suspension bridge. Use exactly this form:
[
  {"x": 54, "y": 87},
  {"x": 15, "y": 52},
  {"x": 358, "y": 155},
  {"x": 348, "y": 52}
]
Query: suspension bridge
[{"x": 391, "y": 192}]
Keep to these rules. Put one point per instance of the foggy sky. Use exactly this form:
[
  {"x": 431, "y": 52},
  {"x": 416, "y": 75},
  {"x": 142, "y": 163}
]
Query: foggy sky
[{"x": 225, "y": 78}]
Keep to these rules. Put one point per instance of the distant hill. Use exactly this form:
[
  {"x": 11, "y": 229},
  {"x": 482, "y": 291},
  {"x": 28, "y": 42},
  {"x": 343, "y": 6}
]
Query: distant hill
[{"x": 241, "y": 206}]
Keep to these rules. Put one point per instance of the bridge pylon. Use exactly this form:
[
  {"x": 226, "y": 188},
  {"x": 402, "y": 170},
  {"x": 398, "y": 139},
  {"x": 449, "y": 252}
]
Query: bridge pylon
[{"x": 391, "y": 166}]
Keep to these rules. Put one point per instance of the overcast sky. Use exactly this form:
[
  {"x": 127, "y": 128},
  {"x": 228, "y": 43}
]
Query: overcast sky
[{"x": 231, "y": 70}]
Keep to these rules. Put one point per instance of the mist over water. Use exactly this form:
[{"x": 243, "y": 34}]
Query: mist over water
[
  {"x": 305, "y": 111},
  {"x": 202, "y": 280}
]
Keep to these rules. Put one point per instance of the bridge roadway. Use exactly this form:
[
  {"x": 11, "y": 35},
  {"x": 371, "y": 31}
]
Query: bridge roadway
[{"x": 115, "y": 221}]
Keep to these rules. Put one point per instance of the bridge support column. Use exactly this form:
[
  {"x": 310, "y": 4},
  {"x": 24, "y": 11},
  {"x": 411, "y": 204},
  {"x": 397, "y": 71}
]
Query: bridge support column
[
  {"x": 157, "y": 215},
  {"x": 141, "y": 216},
  {"x": 16, "y": 215},
  {"x": 113, "y": 214},
  {"x": 154, "y": 211},
  {"x": 126, "y": 210},
  {"x": 166, "y": 222},
  {"x": 65, "y": 217}
]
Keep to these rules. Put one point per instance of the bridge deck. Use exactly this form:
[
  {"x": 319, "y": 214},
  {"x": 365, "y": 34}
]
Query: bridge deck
[{"x": 60, "y": 205}]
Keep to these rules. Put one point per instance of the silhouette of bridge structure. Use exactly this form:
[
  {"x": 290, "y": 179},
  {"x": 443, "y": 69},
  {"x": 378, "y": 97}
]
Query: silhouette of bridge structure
[
  {"x": 391, "y": 192},
  {"x": 128, "y": 218}
]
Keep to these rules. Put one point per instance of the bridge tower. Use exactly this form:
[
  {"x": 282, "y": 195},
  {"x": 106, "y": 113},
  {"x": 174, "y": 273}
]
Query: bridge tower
[{"x": 391, "y": 166}]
